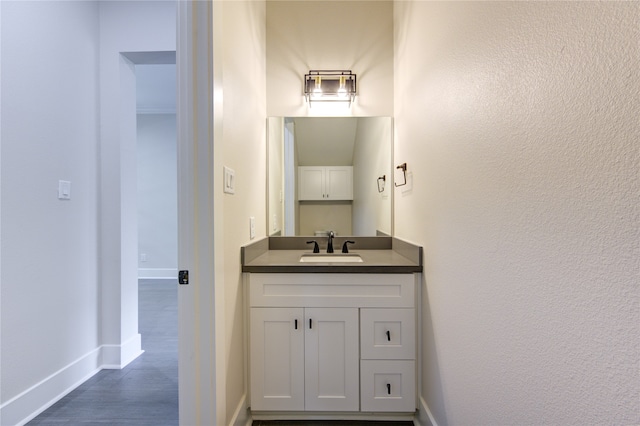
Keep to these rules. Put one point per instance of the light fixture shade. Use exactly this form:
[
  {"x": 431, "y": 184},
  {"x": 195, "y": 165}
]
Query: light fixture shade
[{"x": 330, "y": 86}]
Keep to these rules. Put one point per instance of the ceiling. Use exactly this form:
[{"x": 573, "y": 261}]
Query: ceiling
[{"x": 325, "y": 141}]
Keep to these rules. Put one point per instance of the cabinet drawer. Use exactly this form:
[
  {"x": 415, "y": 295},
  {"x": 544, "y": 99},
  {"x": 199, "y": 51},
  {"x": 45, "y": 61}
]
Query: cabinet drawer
[
  {"x": 387, "y": 386},
  {"x": 387, "y": 334}
]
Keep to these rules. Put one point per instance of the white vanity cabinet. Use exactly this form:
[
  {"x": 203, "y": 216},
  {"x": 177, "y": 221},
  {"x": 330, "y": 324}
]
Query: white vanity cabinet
[
  {"x": 387, "y": 367},
  {"x": 332, "y": 342},
  {"x": 277, "y": 359},
  {"x": 325, "y": 183},
  {"x": 309, "y": 359}
]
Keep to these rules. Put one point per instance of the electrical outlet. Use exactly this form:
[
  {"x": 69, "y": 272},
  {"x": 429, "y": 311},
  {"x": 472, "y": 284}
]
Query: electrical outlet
[{"x": 252, "y": 227}]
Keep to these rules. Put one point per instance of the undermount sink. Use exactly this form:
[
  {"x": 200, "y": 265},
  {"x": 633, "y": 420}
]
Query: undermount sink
[{"x": 330, "y": 258}]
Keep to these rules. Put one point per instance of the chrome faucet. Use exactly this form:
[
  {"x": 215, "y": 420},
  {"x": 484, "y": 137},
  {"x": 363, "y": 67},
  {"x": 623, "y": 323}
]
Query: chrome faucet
[{"x": 330, "y": 242}]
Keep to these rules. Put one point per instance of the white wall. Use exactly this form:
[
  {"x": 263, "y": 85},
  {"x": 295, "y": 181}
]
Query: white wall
[
  {"x": 519, "y": 123},
  {"x": 65, "y": 310},
  {"x": 49, "y": 290},
  {"x": 275, "y": 221},
  {"x": 305, "y": 35},
  {"x": 325, "y": 216},
  {"x": 157, "y": 195},
  {"x": 125, "y": 26},
  {"x": 371, "y": 160},
  {"x": 239, "y": 143}
]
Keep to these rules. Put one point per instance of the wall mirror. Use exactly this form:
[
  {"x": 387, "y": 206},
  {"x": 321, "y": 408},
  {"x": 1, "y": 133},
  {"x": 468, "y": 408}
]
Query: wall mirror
[{"x": 329, "y": 174}]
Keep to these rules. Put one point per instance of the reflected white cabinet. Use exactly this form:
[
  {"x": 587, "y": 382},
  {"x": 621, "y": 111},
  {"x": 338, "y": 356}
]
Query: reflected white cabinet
[
  {"x": 332, "y": 343},
  {"x": 325, "y": 183},
  {"x": 304, "y": 359}
]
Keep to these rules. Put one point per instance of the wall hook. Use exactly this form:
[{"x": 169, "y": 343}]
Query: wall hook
[
  {"x": 403, "y": 167},
  {"x": 382, "y": 178}
]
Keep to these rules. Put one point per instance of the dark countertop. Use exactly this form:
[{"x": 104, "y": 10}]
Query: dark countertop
[{"x": 379, "y": 255}]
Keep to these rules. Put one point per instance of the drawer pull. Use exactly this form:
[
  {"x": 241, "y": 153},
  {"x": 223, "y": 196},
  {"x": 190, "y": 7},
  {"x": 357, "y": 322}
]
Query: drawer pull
[
  {"x": 310, "y": 324},
  {"x": 388, "y": 335},
  {"x": 296, "y": 324},
  {"x": 389, "y": 388}
]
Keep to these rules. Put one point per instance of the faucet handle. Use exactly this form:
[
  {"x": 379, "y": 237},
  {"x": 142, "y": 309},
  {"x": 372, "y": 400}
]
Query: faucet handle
[
  {"x": 345, "y": 249},
  {"x": 316, "y": 249}
]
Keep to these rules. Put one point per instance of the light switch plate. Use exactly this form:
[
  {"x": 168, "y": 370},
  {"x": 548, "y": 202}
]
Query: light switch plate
[
  {"x": 229, "y": 180},
  {"x": 252, "y": 227},
  {"x": 64, "y": 190}
]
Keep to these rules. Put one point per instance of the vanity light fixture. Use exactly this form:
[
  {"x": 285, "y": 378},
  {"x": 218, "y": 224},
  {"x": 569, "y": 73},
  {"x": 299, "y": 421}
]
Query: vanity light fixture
[{"x": 330, "y": 86}]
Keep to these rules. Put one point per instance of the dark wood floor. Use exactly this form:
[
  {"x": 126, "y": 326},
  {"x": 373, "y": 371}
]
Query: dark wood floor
[{"x": 146, "y": 391}]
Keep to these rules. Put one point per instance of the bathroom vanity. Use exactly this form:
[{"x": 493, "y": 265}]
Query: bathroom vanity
[{"x": 333, "y": 338}]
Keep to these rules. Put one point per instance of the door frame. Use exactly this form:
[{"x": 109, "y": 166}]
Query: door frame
[{"x": 201, "y": 392}]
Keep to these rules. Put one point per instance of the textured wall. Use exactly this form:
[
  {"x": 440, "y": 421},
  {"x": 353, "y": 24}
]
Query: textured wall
[{"x": 519, "y": 123}]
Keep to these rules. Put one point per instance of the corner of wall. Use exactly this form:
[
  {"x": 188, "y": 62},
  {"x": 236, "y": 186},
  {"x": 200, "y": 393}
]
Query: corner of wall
[
  {"x": 115, "y": 357},
  {"x": 423, "y": 415}
]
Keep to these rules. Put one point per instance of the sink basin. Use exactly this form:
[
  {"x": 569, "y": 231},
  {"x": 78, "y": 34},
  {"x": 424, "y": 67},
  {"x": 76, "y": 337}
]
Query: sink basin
[{"x": 330, "y": 258}]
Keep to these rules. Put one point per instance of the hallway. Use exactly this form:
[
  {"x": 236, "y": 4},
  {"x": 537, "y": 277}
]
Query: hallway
[{"x": 146, "y": 391}]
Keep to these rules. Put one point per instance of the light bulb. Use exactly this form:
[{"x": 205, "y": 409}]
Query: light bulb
[
  {"x": 318, "y": 89},
  {"x": 342, "y": 91}
]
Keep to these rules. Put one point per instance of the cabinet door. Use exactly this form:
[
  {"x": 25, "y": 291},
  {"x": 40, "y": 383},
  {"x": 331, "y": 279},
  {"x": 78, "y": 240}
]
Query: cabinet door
[
  {"x": 331, "y": 359},
  {"x": 311, "y": 183},
  {"x": 339, "y": 183},
  {"x": 277, "y": 359}
]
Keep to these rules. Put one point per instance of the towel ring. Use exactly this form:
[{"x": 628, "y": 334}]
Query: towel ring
[{"x": 402, "y": 166}]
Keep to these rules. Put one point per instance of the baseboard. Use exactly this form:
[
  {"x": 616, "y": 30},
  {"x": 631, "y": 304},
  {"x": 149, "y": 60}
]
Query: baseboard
[
  {"x": 150, "y": 273},
  {"x": 115, "y": 357},
  {"x": 241, "y": 416},
  {"x": 424, "y": 416},
  {"x": 27, "y": 405},
  {"x": 24, "y": 407}
]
